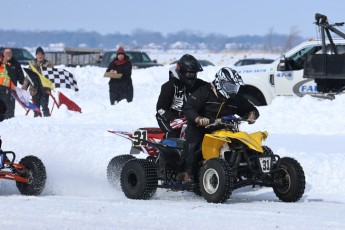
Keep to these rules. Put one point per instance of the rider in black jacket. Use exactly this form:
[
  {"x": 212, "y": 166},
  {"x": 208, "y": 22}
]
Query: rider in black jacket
[
  {"x": 213, "y": 101},
  {"x": 182, "y": 81}
]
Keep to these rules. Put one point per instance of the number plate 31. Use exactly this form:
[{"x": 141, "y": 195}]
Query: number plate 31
[
  {"x": 138, "y": 137},
  {"x": 265, "y": 163}
]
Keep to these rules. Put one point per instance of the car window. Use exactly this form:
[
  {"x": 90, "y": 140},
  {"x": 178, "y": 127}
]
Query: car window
[
  {"x": 205, "y": 63},
  {"x": 134, "y": 57},
  {"x": 253, "y": 61},
  {"x": 112, "y": 56},
  {"x": 138, "y": 57},
  {"x": 239, "y": 63},
  {"x": 107, "y": 58},
  {"x": 304, "y": 51},
  {"x": 23, "y": 54},
  {"x": 145, "y": 58}
]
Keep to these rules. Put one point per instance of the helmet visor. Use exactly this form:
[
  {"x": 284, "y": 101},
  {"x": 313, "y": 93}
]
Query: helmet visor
[
  {"x": 230, "y": 88},
  {"x": 188, "y": 74}
]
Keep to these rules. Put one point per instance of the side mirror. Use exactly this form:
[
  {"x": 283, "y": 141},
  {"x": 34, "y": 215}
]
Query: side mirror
[
  {"x": 282, "y": 64},
  {"x": 154, "y": 61}
]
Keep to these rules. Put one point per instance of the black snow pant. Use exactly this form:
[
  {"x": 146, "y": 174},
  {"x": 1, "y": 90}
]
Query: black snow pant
[
  {"x": 191, "y": 154},
  {"x": 165, "y": 126},
  {"x": 3, "y": 109},
  {"x": 41, "y": 98},
  {"x": 9, "y": 101},
  {"x": 12, "y": 106}
]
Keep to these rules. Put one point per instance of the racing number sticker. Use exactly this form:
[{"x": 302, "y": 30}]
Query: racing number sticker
[
  {"x": 139, "y": 136},
  {"x": 265, "y": 163}
]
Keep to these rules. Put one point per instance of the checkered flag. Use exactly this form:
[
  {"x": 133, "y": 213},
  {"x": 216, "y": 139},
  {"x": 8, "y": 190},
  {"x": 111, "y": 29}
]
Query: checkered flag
[{"x": 60, "y": 78}]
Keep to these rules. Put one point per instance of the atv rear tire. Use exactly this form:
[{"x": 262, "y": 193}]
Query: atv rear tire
[
  {"x": 114, "y": 168},
  {"x": 216, "y": 181},
  {"x": 139, "y": 179},
  {"x": 292, "y": 180},
  {"x": 35, "y": 172}
]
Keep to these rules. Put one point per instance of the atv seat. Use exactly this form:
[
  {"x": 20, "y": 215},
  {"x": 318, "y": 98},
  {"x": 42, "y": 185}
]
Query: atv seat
[
  {"x": 173, "y": 151},
  {"x": 174, "y": 142}
]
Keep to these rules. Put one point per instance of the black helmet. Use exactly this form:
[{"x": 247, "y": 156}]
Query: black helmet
[
  {"x": 187, "y": 69},
  {"x": 227, "y": 82}
]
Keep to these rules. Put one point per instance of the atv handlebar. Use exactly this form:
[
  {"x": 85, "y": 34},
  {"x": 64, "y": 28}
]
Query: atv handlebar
[
  {"x": 228, "y": 122},
  {"x": 11, "y": 153}
]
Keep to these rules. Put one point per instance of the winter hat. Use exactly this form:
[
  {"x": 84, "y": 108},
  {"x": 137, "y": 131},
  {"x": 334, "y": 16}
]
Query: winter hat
[
  {"x": 120, "y": 50},
  {"x": 39, "y": 50}
]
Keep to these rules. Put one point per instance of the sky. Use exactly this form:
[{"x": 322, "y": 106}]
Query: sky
[
  {"x": 76, "y": 148},
  {"x": 228, "y": 17}
]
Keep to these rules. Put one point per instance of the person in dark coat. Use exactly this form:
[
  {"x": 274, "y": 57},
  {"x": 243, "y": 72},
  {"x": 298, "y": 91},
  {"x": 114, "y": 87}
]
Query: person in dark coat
[
  {"x": 212, "y": 101},
  {"x": 16, "y": 74},
  {"x": 121, "y": 88},
  {"x": 174, "y": 92}
]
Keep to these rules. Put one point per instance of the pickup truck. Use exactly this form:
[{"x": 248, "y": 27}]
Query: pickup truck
[{"x": 284, "y": 76}]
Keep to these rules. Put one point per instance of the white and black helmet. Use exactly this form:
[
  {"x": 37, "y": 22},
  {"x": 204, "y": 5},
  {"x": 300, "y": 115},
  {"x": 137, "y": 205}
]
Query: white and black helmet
[{"x": 227, "y": 82}]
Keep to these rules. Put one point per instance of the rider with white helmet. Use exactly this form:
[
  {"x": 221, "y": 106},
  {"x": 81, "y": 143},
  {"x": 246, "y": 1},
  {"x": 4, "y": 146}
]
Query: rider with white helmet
[{"x": 215, "y": 100}]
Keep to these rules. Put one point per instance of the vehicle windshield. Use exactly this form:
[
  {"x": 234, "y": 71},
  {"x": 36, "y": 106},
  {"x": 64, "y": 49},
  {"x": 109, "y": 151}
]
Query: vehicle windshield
[
  {"x": 305, "y": 51},
  {"x": 21, "y": 54},
  {"x": 135, "y": 57},
  {"x": 138, "y": 57}
]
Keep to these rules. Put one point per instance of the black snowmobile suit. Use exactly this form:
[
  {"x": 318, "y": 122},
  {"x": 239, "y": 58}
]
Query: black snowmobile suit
[
  {"x": 171, "y": 100},
  {"x": 205, "y": 103}
]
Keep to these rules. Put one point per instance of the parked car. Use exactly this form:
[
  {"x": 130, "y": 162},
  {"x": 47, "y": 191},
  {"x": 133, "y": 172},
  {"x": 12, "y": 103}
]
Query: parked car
[
  {"x": 23, "y": 56},
  {"x": 253, "y": 61},
  {"x": 139, "y": 59},
  {"x": 202, "y": 63}
]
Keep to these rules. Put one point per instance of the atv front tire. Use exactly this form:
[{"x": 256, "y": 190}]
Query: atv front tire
[
  {"x": 216, "y": 181},
  {"x": 139, "y": 179},
  {"x": 291, "y": 180},
  {"x": 35, "y": 172},
  {"x": 114, "y": 168}
]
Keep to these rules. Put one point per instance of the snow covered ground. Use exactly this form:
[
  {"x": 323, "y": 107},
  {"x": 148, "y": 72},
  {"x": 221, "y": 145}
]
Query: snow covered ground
[{"x": 76, "y": 149}]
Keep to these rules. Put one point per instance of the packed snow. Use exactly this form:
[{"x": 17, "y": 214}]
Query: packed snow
[{"x": 76, "y": 148}]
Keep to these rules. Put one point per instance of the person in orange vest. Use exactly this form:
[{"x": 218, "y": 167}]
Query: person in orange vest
[
  {"x": 6, "y": 86},
  {"x": 16, "y": 74}
]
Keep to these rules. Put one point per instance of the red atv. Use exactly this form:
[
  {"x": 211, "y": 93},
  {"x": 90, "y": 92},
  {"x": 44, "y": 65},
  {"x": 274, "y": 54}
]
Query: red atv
[
  {"x": 153, "y": 134},
  {"x": 29, "y": 174}
]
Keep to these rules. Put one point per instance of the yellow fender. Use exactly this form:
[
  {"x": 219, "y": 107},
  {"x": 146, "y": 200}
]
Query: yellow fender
[{"x": 212, "y": 143}]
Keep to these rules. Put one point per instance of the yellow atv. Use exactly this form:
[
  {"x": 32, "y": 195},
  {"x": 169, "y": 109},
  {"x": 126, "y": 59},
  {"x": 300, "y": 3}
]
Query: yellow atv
[
  {"x": 234, "y": 159},
  {"x": 230, "y": 159}
]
